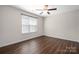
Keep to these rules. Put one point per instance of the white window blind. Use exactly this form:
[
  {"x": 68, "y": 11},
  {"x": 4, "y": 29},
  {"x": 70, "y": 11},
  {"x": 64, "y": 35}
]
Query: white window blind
[{"x": 29, "y": 24}]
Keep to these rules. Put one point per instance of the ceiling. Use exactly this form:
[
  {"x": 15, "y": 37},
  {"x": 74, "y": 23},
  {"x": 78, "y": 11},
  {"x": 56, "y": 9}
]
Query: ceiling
[{"x": 60, "y": 9}]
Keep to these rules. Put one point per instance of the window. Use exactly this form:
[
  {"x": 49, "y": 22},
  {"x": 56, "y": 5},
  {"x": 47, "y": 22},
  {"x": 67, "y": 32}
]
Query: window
[{"x": 29, "y": 24}]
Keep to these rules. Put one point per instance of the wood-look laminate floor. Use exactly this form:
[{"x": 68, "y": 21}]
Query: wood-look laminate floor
[{"x": 42, "y": 45}]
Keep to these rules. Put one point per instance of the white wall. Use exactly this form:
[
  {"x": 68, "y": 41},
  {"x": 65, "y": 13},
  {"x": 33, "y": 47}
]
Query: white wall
[
  {"x": 64, "y": 26},
  {"x": 78, "y": 26},
  {"x": 0, "y": 25},
  {"x": 10, "y": 26}
]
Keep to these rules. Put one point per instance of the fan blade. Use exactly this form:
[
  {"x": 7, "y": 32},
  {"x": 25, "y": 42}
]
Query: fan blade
[
  {"x": 52, "y": 9},
  {"x": 41, "y": 13},
  {"x": 48, "y": 12}
]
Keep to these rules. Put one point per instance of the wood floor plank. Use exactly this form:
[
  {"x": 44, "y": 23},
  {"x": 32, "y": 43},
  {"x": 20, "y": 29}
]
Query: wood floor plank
[{"x": 42, "y": 45}]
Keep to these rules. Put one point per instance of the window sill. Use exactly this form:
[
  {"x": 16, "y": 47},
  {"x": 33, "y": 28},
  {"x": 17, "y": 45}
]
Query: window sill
[{"x": 29, "y": 33}]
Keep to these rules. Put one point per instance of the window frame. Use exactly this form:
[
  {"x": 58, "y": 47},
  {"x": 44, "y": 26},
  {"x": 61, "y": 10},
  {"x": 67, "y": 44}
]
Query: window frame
[{"x": 29, "y": 25}]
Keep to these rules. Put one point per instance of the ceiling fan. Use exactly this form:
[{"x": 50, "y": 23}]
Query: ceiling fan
[{"x": 46, "y": 9}]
